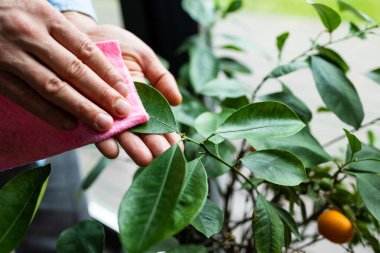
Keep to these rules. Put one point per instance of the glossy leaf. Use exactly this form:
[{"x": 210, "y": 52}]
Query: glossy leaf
[
  {"x": 230, "y": 66},
  {"x": 268, "y": 229},
  {"x": 337, "y": 92},
  {"x": 370, "y": 166},
  {"x": 343, "y": 6},
  {"x": 145, "y": 213},
  {"x": 94, "y": 173},
  {"x": 265, "y": 119},
  {"x": 84, "y": 237},
  {"x": 287, "y": 69},
  {"x": 210, "y": 220},
  {"x": 208, "y": 122},
  {"x": 333, "y": 57},
  {"x": 276, "y": 166},
  {"x": 302, "y": 144},
  {"x": 330, "y": 18},
  {"x": 281, "y": 39},
  {"x": 161, "y": 118},
  {"x": 20, "y": 198},
  {"x": 235, "y": 103},
  {"x": 374, "y": 75},
  {"x": 200, "y": 10},
  {"x": 288, "y": 98},
  {"x": 231, "y": 88},
  {"x": 190, "y": 248},
  {"x": 288, "y": 220},
  {"x": 354, "y": 142},
  {"x": 369, "y": 189}
]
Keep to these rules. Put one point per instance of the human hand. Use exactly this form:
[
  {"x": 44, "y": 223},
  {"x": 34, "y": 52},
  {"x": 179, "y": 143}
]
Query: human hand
[{"x": 52, "y": 69}]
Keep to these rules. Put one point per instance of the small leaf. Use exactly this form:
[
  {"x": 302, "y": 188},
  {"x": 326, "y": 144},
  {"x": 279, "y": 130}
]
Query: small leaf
[
  {"x": 288, "y": 220},
  {"x": 267, "y": 228},
  {"x": 281, "y": 39},
  {"x": 200, "y": 10},
  {"x": 234, "y": 5},
  {"x": 210, "y": 220},
  {"x": 288, "y": 68},
  {"x": 230, "y": 66},
  {"x": 265, "y": 119},
  {"x": 161, "y": 116},
  {"x": 333, "y": 57},
  {"x": 84, "y": 237},
  {"x": 369, "y": 189},
  {"x": 374, "y": 75},
  {"x": 355, "y": 30},
  {"x": 322, "y": 109},
  {"x": 94, "y": 173},
  {"x": 355, "y": 144},
  {"x": 232, "y": 47},
  {"x": 190, "y": 248},
  {"x": 214, "y": 169},
  {"x": 231, "y": 88},
  {"x": 276, "y": 166},
  {"x": 343, "y": 6},
  {"x": 20, "y": 198},
  {"x": 330, "y": 18},
  {"x": 337, "y": 92}
]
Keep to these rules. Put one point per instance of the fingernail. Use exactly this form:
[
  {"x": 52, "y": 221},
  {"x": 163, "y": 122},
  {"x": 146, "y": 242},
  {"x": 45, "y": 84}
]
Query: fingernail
[
  {"x": 122, "y": 107},
  {"x": 103, "y": 121},
  {"x": 69, "y": 124},
  {"x": 122, "y": 88}
]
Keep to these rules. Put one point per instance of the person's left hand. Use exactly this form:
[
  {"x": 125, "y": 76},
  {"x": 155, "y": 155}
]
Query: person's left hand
[{"x": 142, "y": 62}]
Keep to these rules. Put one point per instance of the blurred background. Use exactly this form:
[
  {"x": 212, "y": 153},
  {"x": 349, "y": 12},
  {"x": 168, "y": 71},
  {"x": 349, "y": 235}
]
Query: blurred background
[{"x": 258, "y": 24}]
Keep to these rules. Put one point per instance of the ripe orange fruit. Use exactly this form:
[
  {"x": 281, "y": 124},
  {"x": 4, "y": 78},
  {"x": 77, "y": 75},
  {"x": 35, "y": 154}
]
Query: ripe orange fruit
[{"x": 335, "y": 227}]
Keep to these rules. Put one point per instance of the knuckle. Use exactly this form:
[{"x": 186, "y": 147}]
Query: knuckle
[
  {"x": 109, "y": 74},
  {"x": 83, "y": 109},
  {"x": 76, "y": 68},
  {"x": 87, "y": 49},
  {"x": 53, "y": 86},
  {"x": 105, "y": 94},
  {"x": 21, "y": 27}
]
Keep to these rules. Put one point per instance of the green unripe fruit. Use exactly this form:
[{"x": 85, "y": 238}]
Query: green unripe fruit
[{"x": 326, "y": 184}]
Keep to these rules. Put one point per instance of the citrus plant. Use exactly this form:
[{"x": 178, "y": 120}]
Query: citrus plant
[{"x": 252, "y": 178}]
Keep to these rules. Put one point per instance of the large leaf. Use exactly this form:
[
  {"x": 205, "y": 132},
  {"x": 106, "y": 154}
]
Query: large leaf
[
  {"x": 268, "y": 229},
  {"x": 366, "y": 152},
  {"x": 210, "y": 220},
  {"x": 374, "y": 75},
  {"x": 337, "y": 91},
  {"x": 201, "y": 11},
  {"x": 20, "y": 199},
  {"x": 288, "y": 98},
  {"x": 230, "y": 88},
  {"x": 369, "y": 189},
  {"x": 333, "y": 57},
  {"x": 302, "y": 144},
  {"x": 94, "y": 173},
  {"x": 189, "y": 248},
  {"x": 265, "y": 119},
  {"x": 343, "y": 6},
  {"x": 330, "y": 18},
  {"x": 145, "y": 211},
  {"x": 288, "y": 220},
  {"x": 161, "y": 116},
  {"x": 288, "y": 68},
  {"x": 276, "y": 166},
  {"x": 85, "y": 237}
]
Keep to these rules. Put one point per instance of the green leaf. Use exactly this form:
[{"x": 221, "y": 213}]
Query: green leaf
[
  {"x": 232, "y": 47},
  {"x": 203, "y": 66},
  {"x": 265, "y": 119},
  {"x": 231, "y": 66},
  {"x": 234, "y": 5},
  {"x": 165, "y": 245},
  {"x": 288, "y": 220},
  {"x": 330, "y": 18},
  {"x": 374, "y": 75},
  {"x": 193, "y": 195},
  {"x": 189, "y": 249},
  {"x": 200, "y": 10},
  {"x": 288, "y": 68},
  {"x": 161, "y": 118},
  {"x": 288, "y": 98},
  {"x": 333, "y": 57},
  {"x": 268, "y": 229},
  {"x": 337, "y": 92},
  {"x": 231, "y": 88},
  {"x": 235, "y": 103},
  {"x": 145, "y": 213},
  {"x": 84, "y": 237},
  {"x": 226, "y": 151},
  {"x": 366, "y": 152},
  {"x": 369, "y": 189},
  {"x": 208, "y": 122},
  {"x": 20, "y": 198},
  {"x": 343, "y": 6},
  {"x": 355, "y": 144},
  {"x": 281, "y": 39},
  {"x": 189, "y": 109},
  {"x": 276, "y": 166},
  {"x": 355, "y": 30},
  {"x": 210, "y": 220},
  {"x": 302, "y": 144},
  {"x": 94, "y": 173}
]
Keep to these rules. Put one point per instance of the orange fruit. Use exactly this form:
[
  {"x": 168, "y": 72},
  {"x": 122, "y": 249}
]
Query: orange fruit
[{"x": 335, "y": 227}]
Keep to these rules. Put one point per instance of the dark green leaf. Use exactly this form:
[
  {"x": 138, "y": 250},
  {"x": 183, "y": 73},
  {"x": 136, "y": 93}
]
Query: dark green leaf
[
  {"x": 333, "y": 57},
  {"x": 145, "y": 213},
  {"x": 287, "y": 69},
  {"x": 281, "y": 39},
  {"x": 200, "y": 10},
  {"x": 210, "y": 220},
  {"x": 288, "y": 220},
  {"x": 94, "y": 173},
  {"x": 330, "y": 18},
  {"x": 276, "y": 166},
  {"x": 265, "y": 119},
  {"x": 231, "y": 88},
  {"x": 267, "y": 228},
  {"x": 343, "y": 6},
  {"x": 288, "y": 98},
  {"x": 235, "y": 103},
  {"x": 369, "y": 189},
  {"x": 355, "y": 144},
  {"x": 355, "y": 30},
  {"x": 337, "y": 91},
  {"x": 84, "y": 237},
  {"x": 161, "y": 116},
  {"x": 165, "y": 245},
  {"x": 231, "y": 66},
  {"x": 323, "y": 109},
  {"x": 189, "y": 249},
  {"x": 234, "y": 5},
  {"x": 374, "y": 75},
  {"x": 20, "y": 199},
  {"x": 366, "y": 152}
]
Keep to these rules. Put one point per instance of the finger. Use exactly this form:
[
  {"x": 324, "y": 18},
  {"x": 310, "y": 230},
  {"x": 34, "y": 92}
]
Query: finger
[
  {"x": 134, "y": 69},
  {"x": 108, "y": 148},
  {"x": 69, "y": 68},
  {"x": 156, "y": 143},
  {"x": 17, "y": 91},
  {"x": 174, "y": 138},
  {"x": 135, "y": 148},
  {"x": 50, "y": 87}
]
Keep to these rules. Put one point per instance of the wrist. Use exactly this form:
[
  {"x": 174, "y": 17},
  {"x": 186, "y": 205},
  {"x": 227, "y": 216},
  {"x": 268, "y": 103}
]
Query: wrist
[{"x": 82, "y": 21}]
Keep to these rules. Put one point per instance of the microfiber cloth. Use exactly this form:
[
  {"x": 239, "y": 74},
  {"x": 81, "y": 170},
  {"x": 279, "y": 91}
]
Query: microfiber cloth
[{"x": 25, "y": 138}]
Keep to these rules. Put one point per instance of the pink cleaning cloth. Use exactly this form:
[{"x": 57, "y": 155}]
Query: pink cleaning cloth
[{"x": 25, "y": 138}]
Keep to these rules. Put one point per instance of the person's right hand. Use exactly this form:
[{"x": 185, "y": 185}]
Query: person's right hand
[{"x": 53, "y": 70}]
